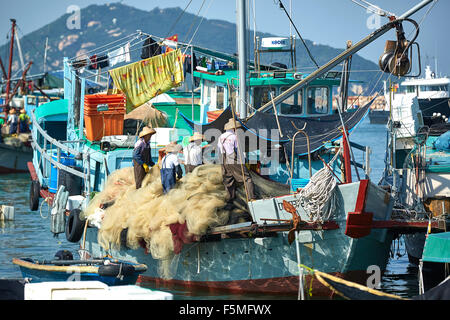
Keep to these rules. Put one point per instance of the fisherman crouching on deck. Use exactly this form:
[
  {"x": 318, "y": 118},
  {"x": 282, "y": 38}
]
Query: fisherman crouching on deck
[
  {"x": 170, "y": 167},
  {"x": 142, "y": 158},
  {"x": 232, "y": 170}
]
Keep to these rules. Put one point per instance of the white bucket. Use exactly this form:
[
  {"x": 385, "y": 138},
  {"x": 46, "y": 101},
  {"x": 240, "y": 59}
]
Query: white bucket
[{"x": 7, "y": 213}]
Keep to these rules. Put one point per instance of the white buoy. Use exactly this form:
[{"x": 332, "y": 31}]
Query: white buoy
[{"x": 7, "y": 213}]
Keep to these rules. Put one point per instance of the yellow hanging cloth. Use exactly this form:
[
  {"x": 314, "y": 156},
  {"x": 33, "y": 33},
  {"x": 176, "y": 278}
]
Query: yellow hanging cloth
[{"x": 145, "y": 79}]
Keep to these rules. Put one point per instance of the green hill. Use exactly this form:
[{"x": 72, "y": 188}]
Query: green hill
[{"x": 103, "y": 24}]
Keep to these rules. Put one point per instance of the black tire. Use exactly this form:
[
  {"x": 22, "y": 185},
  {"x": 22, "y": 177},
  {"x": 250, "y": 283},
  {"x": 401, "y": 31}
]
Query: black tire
[
  {"x": 74, "y": 226},
  {"x": 35, "y": 190},
  {"x": 113, "y": 270}
]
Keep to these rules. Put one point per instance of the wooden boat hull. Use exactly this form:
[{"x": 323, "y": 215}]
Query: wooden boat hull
[
  {"x": 378, "y": 116},
  {"x": 13, "y": 159},
  {"x": 45, "y": 272},
  {"x": 268, "y": 264}
]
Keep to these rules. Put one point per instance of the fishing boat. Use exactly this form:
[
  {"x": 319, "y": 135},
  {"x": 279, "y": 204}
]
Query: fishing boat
[
  {"x": 110, "y": 271},
  {"x": 379, "y": 116},
  {"x": 14, "y": 159},
  {"x": 353, "y": 291},
  {"x": 344, "y": 237},
  {"x": 434, "y": 263},
  {"x": 433, "y": 94},
  {"x": 417, "y": 158}
]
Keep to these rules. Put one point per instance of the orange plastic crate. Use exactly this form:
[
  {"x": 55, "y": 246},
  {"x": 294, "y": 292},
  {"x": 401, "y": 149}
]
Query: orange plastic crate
[
  {"x": 104, "y": 98},
  {"x": 100, "y": 124}
]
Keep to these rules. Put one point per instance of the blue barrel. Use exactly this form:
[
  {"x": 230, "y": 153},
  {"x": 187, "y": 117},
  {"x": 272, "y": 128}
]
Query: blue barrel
[{"x": 67, "y": 160}]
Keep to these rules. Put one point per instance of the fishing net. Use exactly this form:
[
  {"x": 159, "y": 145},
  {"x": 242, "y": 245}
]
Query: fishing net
[{"x": 198, "y": 200}]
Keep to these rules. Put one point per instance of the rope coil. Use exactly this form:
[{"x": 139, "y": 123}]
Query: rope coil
[{"x": 318, "y": 197}]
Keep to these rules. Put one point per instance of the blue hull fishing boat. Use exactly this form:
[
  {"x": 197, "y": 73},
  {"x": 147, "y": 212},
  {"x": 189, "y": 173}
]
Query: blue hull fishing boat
[
  {"x": 109, "y": 271},
  {"x": 340, "y": 231}
]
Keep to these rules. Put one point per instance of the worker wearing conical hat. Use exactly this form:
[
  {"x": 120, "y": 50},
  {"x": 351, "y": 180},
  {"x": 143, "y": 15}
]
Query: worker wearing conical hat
[
  {"x": 193, "y": 152},
  {"x": 24, "y": 121},
  {"x": 170, "y": 167},
  {"x": 232, "y": 170},
  {"x": 142, "y": 157},
  {"x": 13, "y": 120}
]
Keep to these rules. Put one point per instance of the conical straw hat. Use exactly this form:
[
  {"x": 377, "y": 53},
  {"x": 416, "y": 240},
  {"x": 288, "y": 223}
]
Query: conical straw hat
[
  {"x": 147, "y": 131},
  {"x": 172, "y": 147},
  {"x": 232, "y": 124},
  {"x": 196, "y": 136}
]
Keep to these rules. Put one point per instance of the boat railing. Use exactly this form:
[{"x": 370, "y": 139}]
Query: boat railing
[
  {"x": 60, "y": 147},
  {"x": 366, "y": 158}
]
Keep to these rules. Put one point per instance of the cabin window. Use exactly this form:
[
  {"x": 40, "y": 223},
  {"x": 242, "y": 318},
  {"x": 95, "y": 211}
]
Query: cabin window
[
  {"x": 261, "y": 95},
  {"x": 410, "y": 89},
  {"x": 31, "y": 100},
  {"x": 292, "y": 105},
  {"x": 220, "y": 102},
  {"x": 432, "y": 88},
  {"x": 317, "y": 100},
  {"x": 207, "y": 91}
]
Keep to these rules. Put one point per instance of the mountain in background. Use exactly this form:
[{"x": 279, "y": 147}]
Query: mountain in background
[{"x": 103, "y": 24}]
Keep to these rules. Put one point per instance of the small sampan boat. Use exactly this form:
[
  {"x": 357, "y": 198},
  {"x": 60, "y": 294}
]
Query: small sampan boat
[{"x": 110, "y": 271}]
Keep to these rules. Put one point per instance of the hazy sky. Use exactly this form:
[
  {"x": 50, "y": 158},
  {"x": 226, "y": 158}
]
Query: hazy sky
[{"x": 329, "y": 22}]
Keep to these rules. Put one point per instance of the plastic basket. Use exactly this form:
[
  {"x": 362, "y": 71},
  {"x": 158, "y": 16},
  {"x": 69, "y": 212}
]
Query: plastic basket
[{"x": 100, "y": 124}]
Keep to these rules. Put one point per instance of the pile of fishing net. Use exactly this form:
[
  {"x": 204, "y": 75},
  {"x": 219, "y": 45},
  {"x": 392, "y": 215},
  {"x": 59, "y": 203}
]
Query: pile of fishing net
[
  {"x": 162, "y": 223},
  {"x": 199, "y": 200},
  {"x": 17, "y": 141}
]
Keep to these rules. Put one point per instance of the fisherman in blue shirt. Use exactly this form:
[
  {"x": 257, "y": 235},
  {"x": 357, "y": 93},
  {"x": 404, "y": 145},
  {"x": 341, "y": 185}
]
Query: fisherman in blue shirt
[{"x": 142, "y": 158}]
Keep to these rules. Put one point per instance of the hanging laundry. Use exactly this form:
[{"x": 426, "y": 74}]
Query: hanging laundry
[
  {"x": 145, "y": 79},
  {"x": 188, "y": 63},
  {"x": 119, "y": 55},
  {"x": 98, "y": 62},
  {"x": 171, "y": 43},
  {"x": 93, "y": 65},
  {"x": 77, "y": 64},
  {"x": 150, "y": 48},
  {"x": 102, "y": 61}
]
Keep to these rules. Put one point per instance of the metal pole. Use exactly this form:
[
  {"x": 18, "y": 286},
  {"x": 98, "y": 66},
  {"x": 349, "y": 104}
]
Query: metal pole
[
  {"x": 11, "y": 52},
  {"x": 301, "y": 293},
  {"x": 242, "y": 52},
  {"x": 192, "y": 81},
  {"x": 344, "y": 55}
]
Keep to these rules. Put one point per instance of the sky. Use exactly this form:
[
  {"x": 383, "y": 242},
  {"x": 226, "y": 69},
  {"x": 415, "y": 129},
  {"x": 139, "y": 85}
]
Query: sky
[{"x": 328, "y": 22}]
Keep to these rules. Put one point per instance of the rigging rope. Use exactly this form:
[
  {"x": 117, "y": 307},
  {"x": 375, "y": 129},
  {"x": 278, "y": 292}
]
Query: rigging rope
[
  {"x": 318, "y": 198},
  {"x": 304, "y": 43}
]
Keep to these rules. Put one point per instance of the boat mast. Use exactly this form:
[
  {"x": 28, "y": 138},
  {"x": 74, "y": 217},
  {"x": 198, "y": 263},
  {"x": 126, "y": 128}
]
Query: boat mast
[
  {"x": 242, "y": 53},
  {"x": 11, "y": 47},
  {"x": 19, "y": 48},
  {"x": 344, "y": 55}
]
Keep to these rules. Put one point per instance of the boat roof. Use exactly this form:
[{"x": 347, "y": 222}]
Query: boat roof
[
  {"x": 426, "y": 82},
  {"x": 52, "y": 108},
  {"x": 437, "y": 248},
  {"x": 266, "y": 78}
]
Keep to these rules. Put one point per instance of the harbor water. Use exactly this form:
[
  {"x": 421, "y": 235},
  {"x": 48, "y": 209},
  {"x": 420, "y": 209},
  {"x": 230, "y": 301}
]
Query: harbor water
[{"x": 29, "y": 236}]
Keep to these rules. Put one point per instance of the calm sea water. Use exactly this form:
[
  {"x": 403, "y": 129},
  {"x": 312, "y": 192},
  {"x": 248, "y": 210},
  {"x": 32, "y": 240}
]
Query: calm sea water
[{"x": 29, "y": 235}]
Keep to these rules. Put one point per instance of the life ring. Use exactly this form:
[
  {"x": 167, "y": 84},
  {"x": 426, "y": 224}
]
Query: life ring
[
  {"x": 74, "y": 226},
  {"x": 114, "y": 270},
  {"x": 35, "y": 189}
]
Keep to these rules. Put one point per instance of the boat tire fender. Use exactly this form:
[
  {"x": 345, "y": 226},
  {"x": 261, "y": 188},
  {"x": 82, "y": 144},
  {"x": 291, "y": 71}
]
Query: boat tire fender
[
  {"x": 74, "y": 226},
  {"x": 34, "y": 195},
  {"x": 116, "y": 270}
]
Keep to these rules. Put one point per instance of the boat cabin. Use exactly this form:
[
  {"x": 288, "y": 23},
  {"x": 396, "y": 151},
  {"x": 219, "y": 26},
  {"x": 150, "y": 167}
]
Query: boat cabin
[{"x": 220, "y": 89}]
